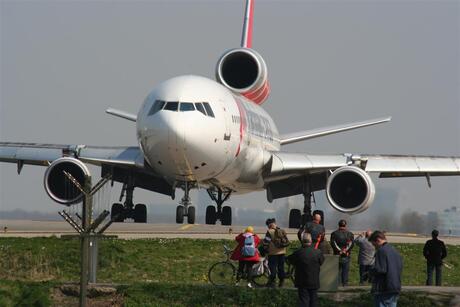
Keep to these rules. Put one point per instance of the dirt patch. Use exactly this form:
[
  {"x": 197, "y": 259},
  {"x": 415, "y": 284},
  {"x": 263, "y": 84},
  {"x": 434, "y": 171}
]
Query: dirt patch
[{"x": 98, "y": 296}]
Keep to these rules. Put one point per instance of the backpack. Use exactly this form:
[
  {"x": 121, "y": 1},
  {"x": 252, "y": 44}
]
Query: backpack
[
  {"x": 249, "y": 247},
  {"x": 280, "y": 239}
]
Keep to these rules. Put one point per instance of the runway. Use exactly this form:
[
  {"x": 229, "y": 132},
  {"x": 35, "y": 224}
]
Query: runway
[{"x": 28, "y": 229}]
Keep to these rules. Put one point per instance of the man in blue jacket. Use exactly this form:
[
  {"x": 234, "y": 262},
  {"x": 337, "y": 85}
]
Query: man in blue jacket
[{"x": 386, "y": 284}]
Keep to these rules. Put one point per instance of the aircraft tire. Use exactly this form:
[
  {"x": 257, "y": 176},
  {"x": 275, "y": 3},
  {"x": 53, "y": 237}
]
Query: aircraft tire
[
  {"x": 295, "y": 217},
  {"x": 210, "y": 215},
  {"x": 115, "y": 215},
  {"x": 191, "y": 215},
  {"x": 226, "y": 216},
  {"x": 140, "y": 213},
  {"x": 180, "y": 210}
]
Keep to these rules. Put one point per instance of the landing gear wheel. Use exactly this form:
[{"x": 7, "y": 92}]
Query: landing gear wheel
[
  {"x": 140, "y": 213},
  {"x": 180, "y": 210},
  {"x": 226, "y": 216},
  {"x": 191, "y": 215},
  {"x": 295, "y": 218},
  {"x": 116, "y": 214},
  {"x": 211, "y": 215}
]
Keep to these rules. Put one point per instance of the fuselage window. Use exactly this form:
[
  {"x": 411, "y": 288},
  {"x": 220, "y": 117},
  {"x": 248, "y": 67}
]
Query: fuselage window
[
  {"x": 172, "y": 106},
  {"x": 200, "y": 107},
  {"x": 157, "y": 106},
  {"x": 208, "y": 109},
  {"x": 186, "y": 106}
]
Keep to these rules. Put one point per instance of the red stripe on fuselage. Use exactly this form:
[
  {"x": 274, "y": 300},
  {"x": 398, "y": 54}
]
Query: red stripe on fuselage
[{"x": 242, "y": 125}]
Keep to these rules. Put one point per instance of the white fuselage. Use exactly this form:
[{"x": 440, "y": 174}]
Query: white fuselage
[{"x": 183, "y": 141}]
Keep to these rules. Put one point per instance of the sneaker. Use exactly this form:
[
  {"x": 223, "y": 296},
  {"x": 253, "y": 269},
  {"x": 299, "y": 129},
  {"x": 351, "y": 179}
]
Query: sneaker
[{"x": 250, "y": 285}]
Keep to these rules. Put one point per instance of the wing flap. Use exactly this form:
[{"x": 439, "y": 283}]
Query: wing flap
[{"x": 410, "y": 166}]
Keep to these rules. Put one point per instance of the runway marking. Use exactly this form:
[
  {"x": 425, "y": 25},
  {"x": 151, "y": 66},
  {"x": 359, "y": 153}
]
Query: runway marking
[{"x": 186, "y": 226}]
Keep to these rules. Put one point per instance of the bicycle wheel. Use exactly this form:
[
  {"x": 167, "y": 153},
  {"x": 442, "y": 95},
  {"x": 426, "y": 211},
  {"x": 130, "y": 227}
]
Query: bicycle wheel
[
  {"x": 222, "y": 274},
  {"x": 261, "y": 280}
]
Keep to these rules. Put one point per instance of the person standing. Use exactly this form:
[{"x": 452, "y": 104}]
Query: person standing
[
  {"x": 434, "y": 252},
  {"x": 307, "y": 262},
  {"x": 365, "y": 256},
  {"x": 342, "y": 242},
  {"x": 386, "y": 282},
  {"x": 246, "y": 253},
  {"x": 315, "y": 228},
  {"x": 276, "y": 242}
]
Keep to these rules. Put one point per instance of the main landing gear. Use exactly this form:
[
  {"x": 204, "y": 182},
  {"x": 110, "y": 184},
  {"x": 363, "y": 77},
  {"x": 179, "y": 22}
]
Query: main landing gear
[
  {"x": 297, "y": 219},
  {"x": 185, "y": 208},
  {"x": 121, "y": 212},
  {"x": 224, "y": 214}
]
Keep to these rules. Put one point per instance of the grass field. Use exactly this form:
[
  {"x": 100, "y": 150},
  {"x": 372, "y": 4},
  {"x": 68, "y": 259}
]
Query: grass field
[
  {"x": 26, "y": 294},
  {"x": 159, "y": 272},
  {"x": 165, "y": 260}
]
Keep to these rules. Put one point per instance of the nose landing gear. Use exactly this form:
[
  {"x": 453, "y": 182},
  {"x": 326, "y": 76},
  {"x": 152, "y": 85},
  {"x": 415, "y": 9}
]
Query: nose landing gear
[
  {"x": 185, "y": 208},
  {"x": 224, "y": 214}
]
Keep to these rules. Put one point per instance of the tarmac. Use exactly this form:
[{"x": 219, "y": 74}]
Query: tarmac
[{"x": 127, "y": 230}]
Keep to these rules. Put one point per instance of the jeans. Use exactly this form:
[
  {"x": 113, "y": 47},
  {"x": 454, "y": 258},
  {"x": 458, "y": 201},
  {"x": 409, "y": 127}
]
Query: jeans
[
  {"x": 344, "y": 267},
  {"x": 244, "y": 270},
  {"x": 308, "y": 297},
  {"x": 386, "y": 300},
  {"x": 364, "y": 273},
  {"x": 429, "y": 274},
  {"x": 276, "y": 265}
]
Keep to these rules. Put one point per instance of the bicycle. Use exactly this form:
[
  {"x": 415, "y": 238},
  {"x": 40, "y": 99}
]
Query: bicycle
[{"x": 223, "y": 273}]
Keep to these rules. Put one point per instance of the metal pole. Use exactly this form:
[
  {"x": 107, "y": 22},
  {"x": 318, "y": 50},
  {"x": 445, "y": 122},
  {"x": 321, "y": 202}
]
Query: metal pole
[
  {"x": 94, "y": 246},
  {"x": 86, "y": 210}
]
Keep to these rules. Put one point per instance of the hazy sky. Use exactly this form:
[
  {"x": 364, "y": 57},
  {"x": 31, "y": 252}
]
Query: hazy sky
[{"x": 330, "y": 62}]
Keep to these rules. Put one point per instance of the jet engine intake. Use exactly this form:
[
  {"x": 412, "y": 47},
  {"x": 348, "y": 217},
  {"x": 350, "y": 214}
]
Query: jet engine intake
[
  {"x": 60, "y": 188},
  {"x": 350, "y": 190},
  {"x": 244, "y": 71}
]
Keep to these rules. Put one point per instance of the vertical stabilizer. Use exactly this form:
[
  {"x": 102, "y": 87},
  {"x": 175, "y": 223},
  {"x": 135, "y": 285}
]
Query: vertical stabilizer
[{"x": 246, "y": 39}]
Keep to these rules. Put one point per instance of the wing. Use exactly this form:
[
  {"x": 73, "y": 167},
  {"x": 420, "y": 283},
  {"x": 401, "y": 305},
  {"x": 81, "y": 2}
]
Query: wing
[
  {"x": 120, "y": 162},
  {"x": 44, "y": 154},
  {"x": 286, "y": 173}
]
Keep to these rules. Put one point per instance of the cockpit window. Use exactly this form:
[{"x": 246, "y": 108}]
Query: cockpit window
[
  {"x": 172, "y": 106},
  {"x": 200, "y": 107},
  {"x": 208, "y": 109},
  {"x": 157, "y": 106},
  {"x": 186, "y": 106}
]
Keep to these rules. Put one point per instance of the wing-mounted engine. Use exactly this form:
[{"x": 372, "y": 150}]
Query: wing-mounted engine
[
  {"x": 350, "y": 190},
  {"x": 244, "y": 71},
  {"x": 59, "y": 187}
]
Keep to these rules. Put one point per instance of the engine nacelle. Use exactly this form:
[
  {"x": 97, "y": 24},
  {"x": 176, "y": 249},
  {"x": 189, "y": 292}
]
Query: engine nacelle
[
  {"x": 59, "y": 187},
  {"x": 350, "y": 190},
  {"x": 244, "y": 71}
]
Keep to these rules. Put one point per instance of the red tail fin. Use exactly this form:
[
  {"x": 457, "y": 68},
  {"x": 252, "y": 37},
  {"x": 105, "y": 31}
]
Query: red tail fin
[{"x": 246, "y": 39}]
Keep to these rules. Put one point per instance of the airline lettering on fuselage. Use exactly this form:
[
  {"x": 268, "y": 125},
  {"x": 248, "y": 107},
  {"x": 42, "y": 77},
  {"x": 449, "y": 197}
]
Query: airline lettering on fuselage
[{"x": 256, "y": 124}]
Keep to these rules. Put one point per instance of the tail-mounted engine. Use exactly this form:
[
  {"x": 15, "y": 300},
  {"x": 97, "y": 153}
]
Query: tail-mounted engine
[
  {"x": 59, "y": 187},
  {"x": 244, "y": 71},
  {"x": 350, "y": 190}
]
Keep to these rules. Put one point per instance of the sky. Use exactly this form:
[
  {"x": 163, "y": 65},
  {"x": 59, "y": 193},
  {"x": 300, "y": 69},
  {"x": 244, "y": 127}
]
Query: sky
[{"x": 329, "y": 62}]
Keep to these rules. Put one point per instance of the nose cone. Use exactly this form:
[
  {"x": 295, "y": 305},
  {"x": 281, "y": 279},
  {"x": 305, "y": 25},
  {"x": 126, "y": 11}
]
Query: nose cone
[{"x": 184, "y": 145}]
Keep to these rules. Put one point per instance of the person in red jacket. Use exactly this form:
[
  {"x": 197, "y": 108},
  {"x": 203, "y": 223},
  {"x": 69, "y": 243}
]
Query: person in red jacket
[{"x": 246, "y": 253}]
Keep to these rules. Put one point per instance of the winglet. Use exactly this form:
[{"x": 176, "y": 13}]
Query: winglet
[
  {"x": 121, "y": 114},
  {"x": 246, "y": 39}
]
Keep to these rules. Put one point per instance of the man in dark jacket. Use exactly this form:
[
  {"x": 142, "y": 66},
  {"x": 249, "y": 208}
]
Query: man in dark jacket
[
  {"x": 342, "y": 242},
  {"x": 434, "y": 252},
  {"x": 307, "y": 262},
  {"x": 386, "y": 283}
]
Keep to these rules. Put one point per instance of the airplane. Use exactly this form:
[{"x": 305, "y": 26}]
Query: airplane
[{"x": 197, "y": 133}]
